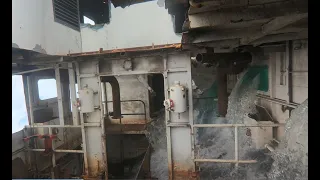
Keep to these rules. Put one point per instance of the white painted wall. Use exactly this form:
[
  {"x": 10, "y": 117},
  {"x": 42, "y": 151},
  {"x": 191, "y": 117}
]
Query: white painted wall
[
  {"x": 138, "y": 25},
  {"x": 300, "y": 72},
  {"x": 299, "y": 84},
  {"x": 33, "y": 24}
]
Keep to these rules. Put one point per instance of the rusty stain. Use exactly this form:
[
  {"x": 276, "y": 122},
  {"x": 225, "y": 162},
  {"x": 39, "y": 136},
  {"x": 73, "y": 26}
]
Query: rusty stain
[
  {"x": 128, "y": 121},
  {"x": 121, "y": 128},
  {"x": 178, "y": 172},
  {"x": 135, "y": 49},
  {"x": 183, "y": 175}
]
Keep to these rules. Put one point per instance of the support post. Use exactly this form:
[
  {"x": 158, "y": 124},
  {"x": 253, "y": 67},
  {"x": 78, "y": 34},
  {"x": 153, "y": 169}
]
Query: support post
[
  {"x": 53, "y": 156},
  {"x": 236, "y": 150},
  {"x": 222, "y": 92},
  {"x": 83, "y": 132},
  {"x": 75, "y": 112},
  {"x": 60, "y": 97},
  {"x": 30, "y": 99}
]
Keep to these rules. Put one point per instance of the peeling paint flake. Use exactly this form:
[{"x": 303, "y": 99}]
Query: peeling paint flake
[
  {"x": 39, "y": 49},
  {"x": 92, "y": 27}
]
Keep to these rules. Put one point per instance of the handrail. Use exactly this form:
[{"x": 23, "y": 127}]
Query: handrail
[
  {"x": 236, "y": 160},
  {"x": 135, "y": 100}
]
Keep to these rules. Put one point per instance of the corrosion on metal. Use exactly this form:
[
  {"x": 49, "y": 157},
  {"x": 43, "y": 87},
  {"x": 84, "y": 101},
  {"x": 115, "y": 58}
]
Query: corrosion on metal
[
  {"x": 182, "y": 175},
  {"x": 125, "y": 50},
  {"x": 180, "y": 172},
  {"x": 127, "y": 121},
  {"x": 115, "y": 94}
]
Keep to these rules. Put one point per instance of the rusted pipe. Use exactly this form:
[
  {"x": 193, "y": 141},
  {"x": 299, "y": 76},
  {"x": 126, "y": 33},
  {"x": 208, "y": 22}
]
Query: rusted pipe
[
  {"x": 222, "y": 92},
  {"x": 204, "y": 57},
  {"x": 226, "y": 57},
  {"x": 115, "y": 95}
]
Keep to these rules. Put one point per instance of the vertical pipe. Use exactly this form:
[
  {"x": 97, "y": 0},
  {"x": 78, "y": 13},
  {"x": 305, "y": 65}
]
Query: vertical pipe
[
  {"x": 104, "y": 98},
  {"x": 236, "y": 150},
  {"x": 167, "y": 116},
  {"x": 25, "y": 134},
  {"x": 75, "y": 112},
  {"x": 191, "y": 120},
  {"x": 83, "y": 134},
  {"x": 222, "y": 92},
  {"x": 289, "y": 56},
  {"x": 30, "y": 98},
  {"x": 60, "y": 97},
  {"x": 103, "y": 113},
  {"x": 53, "y": 156}
]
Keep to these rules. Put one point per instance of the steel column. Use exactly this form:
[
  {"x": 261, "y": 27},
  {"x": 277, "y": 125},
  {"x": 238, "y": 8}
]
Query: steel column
[
  {"x": 60, "y": 96},
  {"x": 75, "y": 112}
]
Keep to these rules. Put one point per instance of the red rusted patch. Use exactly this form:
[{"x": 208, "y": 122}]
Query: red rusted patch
[
  {"x": 127, "y": 121},
  {"x": 135, "y": 49},
  {"x": 180, "y": 174},
  {"x": 185, "y": 175}
]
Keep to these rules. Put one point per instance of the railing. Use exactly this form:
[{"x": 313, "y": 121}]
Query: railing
[
  {"x": 236, "y": 160},
  {"x": 134, "y": 114},
  {"x": 83, "y": 151}
]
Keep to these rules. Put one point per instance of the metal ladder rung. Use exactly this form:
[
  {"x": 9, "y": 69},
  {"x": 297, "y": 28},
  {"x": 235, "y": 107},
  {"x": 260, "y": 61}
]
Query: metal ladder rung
[
  {"x": 57, "y": 150},
  {"x": 225, "y": 161},
  {"x": 236, "y": 161}
]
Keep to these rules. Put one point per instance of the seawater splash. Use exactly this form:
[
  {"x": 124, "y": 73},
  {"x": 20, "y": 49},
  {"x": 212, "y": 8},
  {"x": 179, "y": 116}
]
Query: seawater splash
[
  {"x": 218, "y": 143},
  {"x": 291, "y": 158},
  {"x": 156, "y": 134}
]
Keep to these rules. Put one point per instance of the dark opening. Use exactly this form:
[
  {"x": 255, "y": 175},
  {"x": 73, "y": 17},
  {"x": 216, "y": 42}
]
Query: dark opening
[
  {"x": 96, "y": 10},
  {"x": 128, "y": 156},
  {"x": 156, "y": 82}
]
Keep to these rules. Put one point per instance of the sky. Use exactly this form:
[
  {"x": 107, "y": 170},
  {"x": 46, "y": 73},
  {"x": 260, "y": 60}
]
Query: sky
[
  {"x": 47, "y": 88},
  {"x": 19, "y": 112}
]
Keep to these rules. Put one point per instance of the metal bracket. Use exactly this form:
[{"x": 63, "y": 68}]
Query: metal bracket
[{"x": 142, "y": 80}]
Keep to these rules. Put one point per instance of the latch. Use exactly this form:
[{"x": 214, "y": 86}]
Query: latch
[{"x": 168, "y": 104}]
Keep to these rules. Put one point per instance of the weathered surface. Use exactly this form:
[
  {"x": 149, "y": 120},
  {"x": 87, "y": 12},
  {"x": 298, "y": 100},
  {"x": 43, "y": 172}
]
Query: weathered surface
[
  {"x": 291, "y": 159},
  {"x": 156, "y": 133}
]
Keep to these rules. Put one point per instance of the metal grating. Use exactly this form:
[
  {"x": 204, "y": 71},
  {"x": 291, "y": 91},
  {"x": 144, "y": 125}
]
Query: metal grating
[{"x": 66, "y": 12}]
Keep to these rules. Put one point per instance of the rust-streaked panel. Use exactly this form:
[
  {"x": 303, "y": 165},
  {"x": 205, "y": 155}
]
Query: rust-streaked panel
[{"x": 135, "y": 49}]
